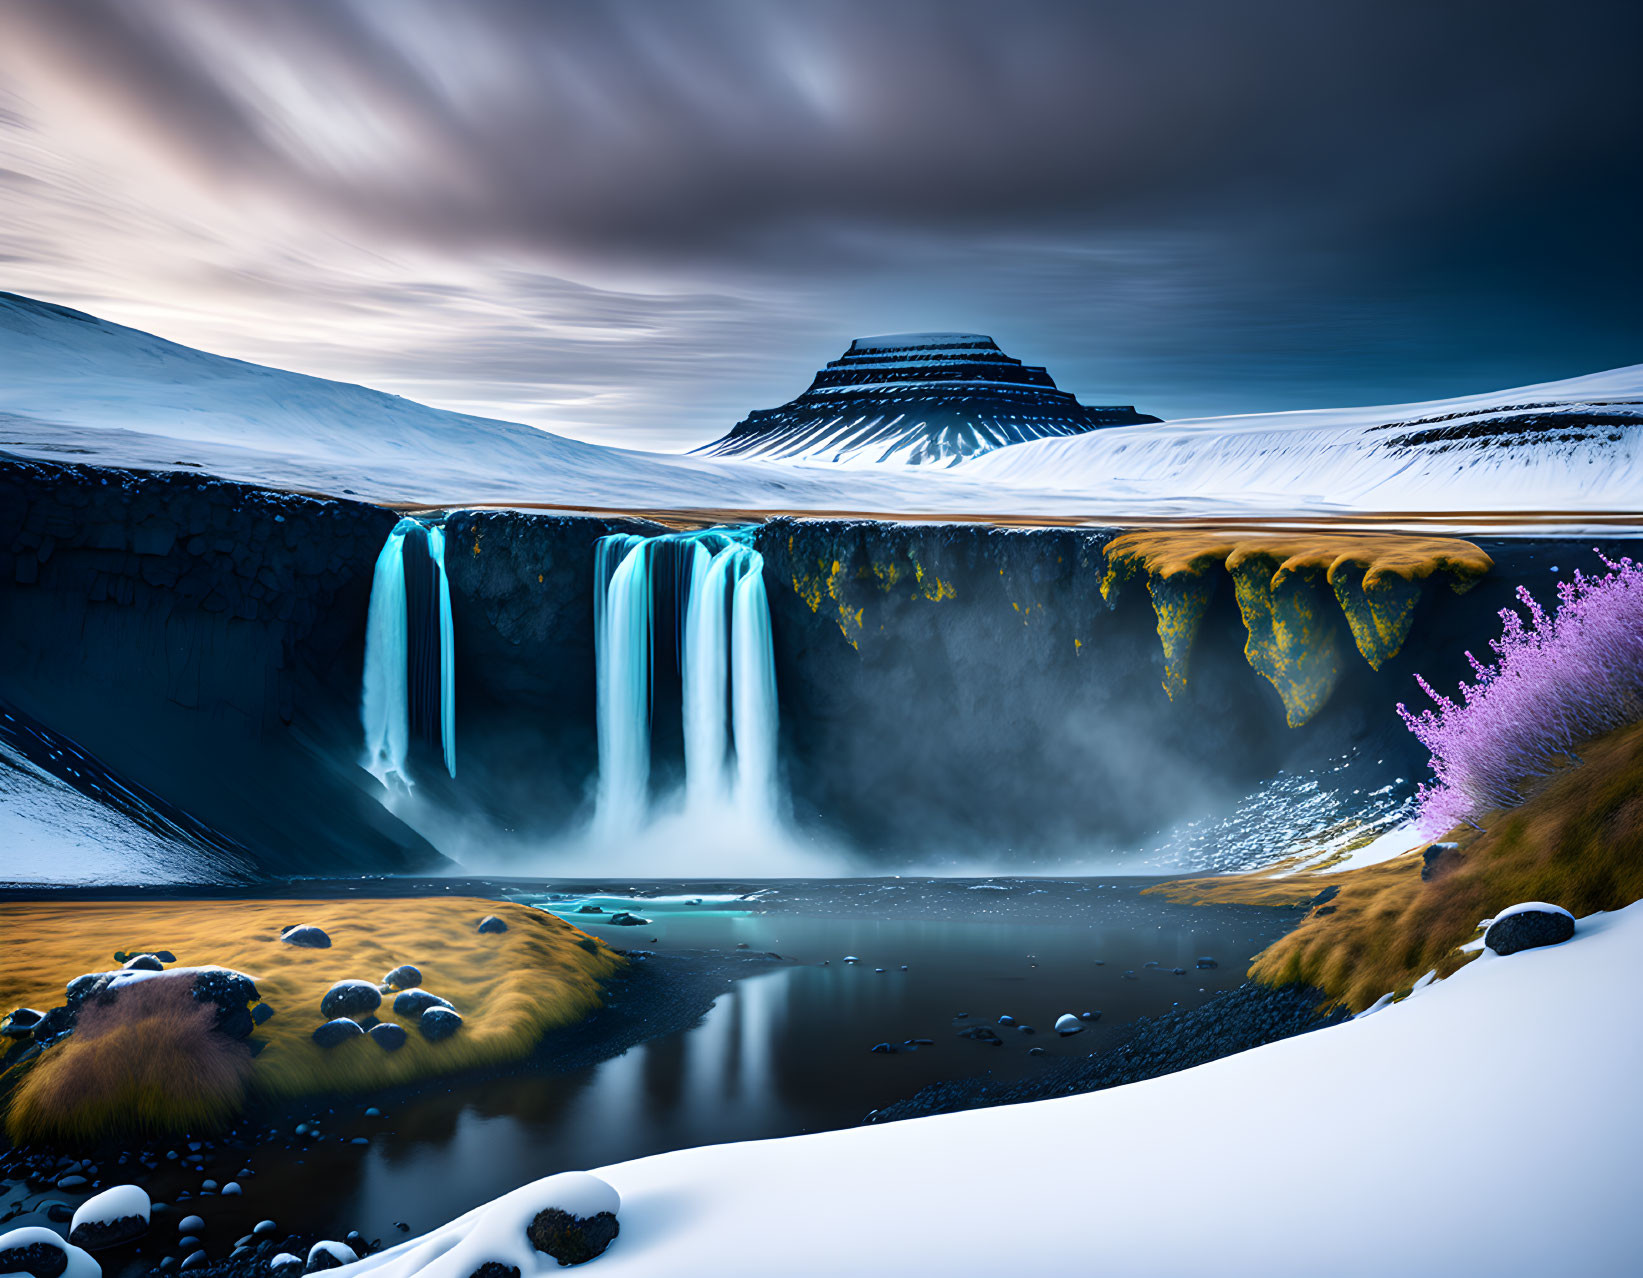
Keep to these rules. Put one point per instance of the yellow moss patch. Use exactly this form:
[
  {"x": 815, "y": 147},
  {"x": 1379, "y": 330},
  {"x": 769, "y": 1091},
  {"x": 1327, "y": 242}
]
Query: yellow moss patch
[
  {"x": 510, "y": 987},
  {"x": 1577, "y": 842},
  {"x": 1294, "y": 636},
  {"x": 1279, "y": 579}
]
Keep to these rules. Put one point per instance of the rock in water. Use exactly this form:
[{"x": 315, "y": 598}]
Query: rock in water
[
  {"x": 350, "y": 998},
  {"x": 389, "y": 1037},
  {"x": 403, "y": 977},
  {"x": 438, "y": 1023},
  {"x": 307, "y": 937},
  {"x": 1528, "y": 926},
  {"x": 490, "y": 923},
  {"x": 1067, "y": 1023},
  {"x": 110, "y": 1218},
  {"x": 623, "y": 919},
  {"x": 144, "y": 963},
  {"x": 336, "y": 1032},
  {"x": 416, "y": 1002}
]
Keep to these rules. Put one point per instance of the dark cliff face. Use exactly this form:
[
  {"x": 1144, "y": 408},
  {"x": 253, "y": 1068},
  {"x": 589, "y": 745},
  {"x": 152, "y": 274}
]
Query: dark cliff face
[
  {"x": 204, "y": 640},
  {"x": 522, "y": 608},
  {"x": 954, "y": 694}
]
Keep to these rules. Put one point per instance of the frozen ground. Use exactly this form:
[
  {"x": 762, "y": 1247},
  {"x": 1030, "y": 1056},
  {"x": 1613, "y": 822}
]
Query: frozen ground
[
  {"x": 1488, "y": 1124},
  {"x": 80, "y": 389}
]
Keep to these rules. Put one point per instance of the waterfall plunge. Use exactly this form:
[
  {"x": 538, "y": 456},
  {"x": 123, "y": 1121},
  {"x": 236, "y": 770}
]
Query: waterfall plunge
[
  {"x": 727, "y": 669},
  {"x": 387, "y": 694}
]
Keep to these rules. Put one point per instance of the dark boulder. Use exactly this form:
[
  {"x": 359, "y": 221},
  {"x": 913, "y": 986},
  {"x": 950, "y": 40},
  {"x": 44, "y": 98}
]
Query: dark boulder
[
  {"x": 306, "y": 937},
  {"x": 1439, "y": 859},
  {"x": 623, "y": 919},
  {"x": 416, "y": 1002},
  {"x": 144, "y": 963},
  {"x": 403, "y": 977},
  {"x": 439, "y": 1023},
  {"x": 1529, "y": 926},
  {"x": 590, "y": 908},
  {"x": 261, "y": 1012},
  {"x": 20, "y": 1023},
  {"x": 387, "y": 1036},
  {"x": 82, "y": 987},
  {"x": 338, "y": 1031},
  {"x": 495, "y": 1269},
  {"x": 490, "y": 923},
  {"x": 572, "y": 1240},
  {"x": 350, "y": 998}
]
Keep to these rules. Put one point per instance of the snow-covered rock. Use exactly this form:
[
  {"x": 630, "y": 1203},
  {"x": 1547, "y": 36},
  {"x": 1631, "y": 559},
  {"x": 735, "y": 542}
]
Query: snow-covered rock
[
  {"x": 327, "y": 1254},
  {"x": 1067, "y": 1023},
  {"x": 35, "y": 1250},
  {"x": 511, "y": 1231},
  {"x": 1527, "y": 926},
  {"x": 115, "y": 1216}
]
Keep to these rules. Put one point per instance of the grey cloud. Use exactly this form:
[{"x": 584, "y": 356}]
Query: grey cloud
[{"x": 672, "y": 212}]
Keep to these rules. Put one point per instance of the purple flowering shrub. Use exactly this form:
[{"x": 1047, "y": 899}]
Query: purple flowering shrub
[{"x": 1559, "y": 679}]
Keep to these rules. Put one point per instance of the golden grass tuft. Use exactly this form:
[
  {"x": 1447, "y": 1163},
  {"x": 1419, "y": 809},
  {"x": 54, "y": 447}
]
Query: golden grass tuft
[
  {"x": 1577, "y": 842},
  {"x": 510, "y": 987},
  {"x": 118, "y": 1071}
]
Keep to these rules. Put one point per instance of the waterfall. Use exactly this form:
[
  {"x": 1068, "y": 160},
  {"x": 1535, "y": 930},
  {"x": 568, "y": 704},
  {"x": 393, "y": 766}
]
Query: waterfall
[
  {"x": 447, "y": 653},
  {"x": 622, "y": 656},
  {"x": 390, "y": 698},
  {"x": 705, "y": 678},
  {"x": 727, "y": 673},
  {"x": 753, "y": 681}
]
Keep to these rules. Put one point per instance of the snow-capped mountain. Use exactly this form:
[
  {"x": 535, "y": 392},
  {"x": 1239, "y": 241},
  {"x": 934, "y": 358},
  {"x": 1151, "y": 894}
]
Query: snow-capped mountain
[{"x": 916, "y": 399}]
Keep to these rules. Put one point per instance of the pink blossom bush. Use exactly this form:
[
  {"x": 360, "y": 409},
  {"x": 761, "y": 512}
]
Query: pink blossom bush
[{"x": 1558, "y": 680}]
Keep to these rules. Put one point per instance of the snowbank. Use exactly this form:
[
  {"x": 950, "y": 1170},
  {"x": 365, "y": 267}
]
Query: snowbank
[{"x": 1488, "y": 1124}]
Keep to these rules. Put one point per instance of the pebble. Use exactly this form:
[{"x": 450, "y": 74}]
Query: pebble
[
  {"x": 264, "y": 1228},
  {"x": 191, "y": 1225},
  {"x": 231, "y": 1189}
]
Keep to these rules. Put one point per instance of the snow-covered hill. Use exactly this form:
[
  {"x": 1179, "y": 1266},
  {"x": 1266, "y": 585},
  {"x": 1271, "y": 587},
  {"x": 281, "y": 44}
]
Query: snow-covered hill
[
  {"x": 77, "y": 388},
  {"x": 1574, "y": 445},
  {"x": 917, "y": 399}
]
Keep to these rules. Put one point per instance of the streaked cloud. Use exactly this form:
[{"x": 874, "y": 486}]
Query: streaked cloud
[{"x": 634, "y": 221}]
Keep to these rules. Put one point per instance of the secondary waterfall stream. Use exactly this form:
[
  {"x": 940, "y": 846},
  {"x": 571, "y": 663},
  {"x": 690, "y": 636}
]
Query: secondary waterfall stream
[
  {"x": 726, "y": 666},
  {"x": 410, "y": 654}
]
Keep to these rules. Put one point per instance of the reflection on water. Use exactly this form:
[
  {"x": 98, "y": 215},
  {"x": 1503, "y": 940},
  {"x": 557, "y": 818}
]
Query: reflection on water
[{"x": 783, "y": 1052}]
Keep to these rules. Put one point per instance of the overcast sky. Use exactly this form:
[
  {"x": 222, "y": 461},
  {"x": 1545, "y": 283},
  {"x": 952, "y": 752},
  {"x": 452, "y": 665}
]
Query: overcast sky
[{"x": 636, "y": 221}]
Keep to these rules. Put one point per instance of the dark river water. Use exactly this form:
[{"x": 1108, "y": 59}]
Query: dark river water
[{"x": 785, "y": 1051}]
